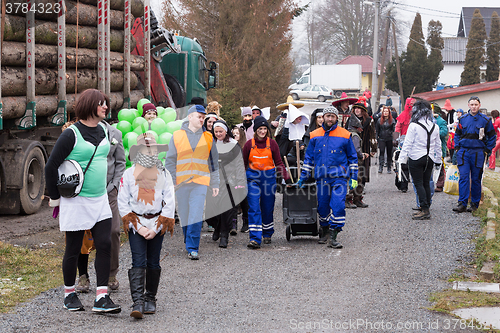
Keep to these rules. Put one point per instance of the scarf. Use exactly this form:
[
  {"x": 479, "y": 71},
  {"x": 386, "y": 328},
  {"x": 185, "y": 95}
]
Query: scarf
[{"x": 149, "y": 161}]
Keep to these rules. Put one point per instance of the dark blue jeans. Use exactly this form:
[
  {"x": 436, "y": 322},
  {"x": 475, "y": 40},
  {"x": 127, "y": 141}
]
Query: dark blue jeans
[{"x": 145, "y": 252}]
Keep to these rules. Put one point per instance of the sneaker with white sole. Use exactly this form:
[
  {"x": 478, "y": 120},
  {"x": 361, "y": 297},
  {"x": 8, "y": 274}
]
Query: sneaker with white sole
[
  {"x": 193, "y": 255},
  {"x": 72, "y": 303},
  {"x": 106, "y": 305}
]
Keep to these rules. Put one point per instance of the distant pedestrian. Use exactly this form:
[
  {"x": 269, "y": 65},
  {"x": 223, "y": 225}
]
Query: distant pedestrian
[
  {"x": 475, "y": 137},
  {"x": 496, "y": 125},
  {"x": 385, "y": 131},
  {"x": 388, "y": 101}
]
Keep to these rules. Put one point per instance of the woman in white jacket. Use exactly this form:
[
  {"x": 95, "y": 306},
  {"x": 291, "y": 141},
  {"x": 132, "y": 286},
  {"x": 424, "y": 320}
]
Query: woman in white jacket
[
  {"x": 422, "y": 150},
  {"x": 146, "y": 201}
]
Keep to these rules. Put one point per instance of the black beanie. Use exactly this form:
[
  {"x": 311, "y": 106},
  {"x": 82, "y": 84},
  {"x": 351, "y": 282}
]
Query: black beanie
[{"x": 258, "y": 122}]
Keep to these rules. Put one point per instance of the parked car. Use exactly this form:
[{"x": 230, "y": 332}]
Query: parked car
[{"x": 321, "y": 93}]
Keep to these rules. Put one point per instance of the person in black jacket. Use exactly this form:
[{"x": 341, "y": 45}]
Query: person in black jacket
[{"x": 385, "y": 129}]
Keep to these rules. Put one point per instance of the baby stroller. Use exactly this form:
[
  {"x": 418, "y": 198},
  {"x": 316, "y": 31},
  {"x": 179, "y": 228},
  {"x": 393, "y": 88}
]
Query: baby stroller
[{"x": 300, "y": 210}]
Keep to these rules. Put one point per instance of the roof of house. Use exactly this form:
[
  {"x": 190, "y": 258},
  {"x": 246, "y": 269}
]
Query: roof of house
[
  {"x": 365, "y": 61},
  {"x": 464, "y": 90},
  {"x": 454, "y": 50},
  {"x": 466, "y": 18}
]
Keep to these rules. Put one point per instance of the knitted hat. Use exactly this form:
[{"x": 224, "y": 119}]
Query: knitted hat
[
  {"x": 148, "y": 107},
  {"x": 259, "y": 121},
  {"x": 246, "y": 110},
  {"x": 197, "y": 108},
  {"x": 331, "y": 109}
]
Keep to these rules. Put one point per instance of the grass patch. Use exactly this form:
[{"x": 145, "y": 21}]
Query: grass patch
[
  {"x": 25, "y": 273},
  {"x": 449, "y": 300}
]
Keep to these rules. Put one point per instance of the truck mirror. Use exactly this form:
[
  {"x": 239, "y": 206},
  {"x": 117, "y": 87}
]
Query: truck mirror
[{"x": 212, "y": 79}]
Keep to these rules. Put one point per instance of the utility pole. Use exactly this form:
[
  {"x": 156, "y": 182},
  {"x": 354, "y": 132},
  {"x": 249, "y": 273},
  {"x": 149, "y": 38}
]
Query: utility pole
[
  {"x": 382, "y": 60},
  {"x": 398, "y": 68},
  {"x": 375, "y": 57}
]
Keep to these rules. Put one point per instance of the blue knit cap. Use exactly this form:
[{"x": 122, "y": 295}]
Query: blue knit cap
[{"x": 197, "y": 108}]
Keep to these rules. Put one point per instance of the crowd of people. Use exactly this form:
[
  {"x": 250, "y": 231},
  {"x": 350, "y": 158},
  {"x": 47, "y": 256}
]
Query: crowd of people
[{"x": 214, "y": 171}]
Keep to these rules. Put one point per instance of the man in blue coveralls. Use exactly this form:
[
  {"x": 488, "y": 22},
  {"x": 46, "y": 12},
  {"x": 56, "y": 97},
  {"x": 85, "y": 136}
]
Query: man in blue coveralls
[
  {"x": 332, "y": 155},
  {"x": 474, "y": 137}
]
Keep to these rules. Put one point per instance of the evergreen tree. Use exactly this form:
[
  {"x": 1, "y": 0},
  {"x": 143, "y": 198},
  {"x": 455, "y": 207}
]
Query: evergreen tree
[
  {"x": 250, "y": 41},
  {"x": 493, "y": 49},
  {"x": 435, "y": 59},
  {"x": 413, "y": 63},
  {"x": 474, "y": 56}
]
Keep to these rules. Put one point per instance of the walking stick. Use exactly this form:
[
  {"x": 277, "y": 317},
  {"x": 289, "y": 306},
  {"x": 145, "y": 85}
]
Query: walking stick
[
  {"x": 288, "y": 169},
  {"x": 297, "y": 150}
]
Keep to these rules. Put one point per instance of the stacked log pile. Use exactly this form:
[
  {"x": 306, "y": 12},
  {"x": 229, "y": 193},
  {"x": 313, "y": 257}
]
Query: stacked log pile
[{"x": 14, "y": 56}]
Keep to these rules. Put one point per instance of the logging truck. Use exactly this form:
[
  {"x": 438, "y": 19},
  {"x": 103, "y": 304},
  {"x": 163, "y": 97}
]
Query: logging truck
[{"x": 52, "y": 50}]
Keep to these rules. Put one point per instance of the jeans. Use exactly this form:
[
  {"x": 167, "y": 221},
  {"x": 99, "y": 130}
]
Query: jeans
[
  {"x": 421, "y": 172},
  {"x": 145, "y": 253},
  {"x": 431, "y": 186},
  {"x": 190, "y": 203}
]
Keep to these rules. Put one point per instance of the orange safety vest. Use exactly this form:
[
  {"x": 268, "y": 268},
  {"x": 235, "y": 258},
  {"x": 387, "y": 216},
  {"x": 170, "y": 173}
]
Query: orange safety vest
[
  {"x": 261, "y": 158},
  {"x": 193, "y": 163}
]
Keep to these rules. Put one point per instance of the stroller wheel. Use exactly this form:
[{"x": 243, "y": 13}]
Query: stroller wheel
[{"x": 288, "y": 233}]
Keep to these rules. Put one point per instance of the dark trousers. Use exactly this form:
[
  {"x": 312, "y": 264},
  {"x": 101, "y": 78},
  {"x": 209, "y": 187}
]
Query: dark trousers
[
  {"x": 102, "y": 242},
  {"x": 421, "y": 173},
  {"x": 145, "y": 253},
  {"x": 385, "y": 146},
  {"x": 224, "y": 221}
]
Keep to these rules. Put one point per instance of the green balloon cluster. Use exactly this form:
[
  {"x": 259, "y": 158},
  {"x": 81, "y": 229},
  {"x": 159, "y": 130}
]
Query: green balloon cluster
[{"x": 132, "y": 124}]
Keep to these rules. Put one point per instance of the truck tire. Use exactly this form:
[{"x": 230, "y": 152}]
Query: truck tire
[
  {"x": 176, "y": 90},
  {"x": 321, "y": 98},
  {"x": 31, "y": 194},
  {"x": 295, "y": 97}
]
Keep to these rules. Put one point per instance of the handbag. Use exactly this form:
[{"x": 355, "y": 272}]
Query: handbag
[
  {"x": 451, "y": 181},
  {"x": 70, "y": 177}
]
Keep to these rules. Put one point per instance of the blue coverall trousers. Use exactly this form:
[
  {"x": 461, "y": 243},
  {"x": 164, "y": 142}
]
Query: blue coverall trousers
[
  {"x": 470, "y": 166},
  {"x": 331, "y": 202},
  {"x": 261, "y": 197}
]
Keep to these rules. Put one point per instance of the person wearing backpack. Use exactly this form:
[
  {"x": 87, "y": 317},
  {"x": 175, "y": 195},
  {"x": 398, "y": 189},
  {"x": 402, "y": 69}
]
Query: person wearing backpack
[{"x": 422, "y": 150}]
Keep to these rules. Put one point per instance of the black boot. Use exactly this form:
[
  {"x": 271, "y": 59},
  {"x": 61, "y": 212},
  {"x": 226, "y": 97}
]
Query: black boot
[
  {"x": 136, "y": 277},
  {"x": 324, "y": 233},
  {"x": 244, "y": 227},
  {"x": 333, "y": 239},
  {"x": 216, "y": 234},
  {"x": 234, "y": 228},
  {"x": 152, "y": 281}
]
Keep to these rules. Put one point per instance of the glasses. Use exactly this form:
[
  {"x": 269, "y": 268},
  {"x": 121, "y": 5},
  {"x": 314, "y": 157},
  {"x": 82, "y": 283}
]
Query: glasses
[
  {"x": 102, "y": 104},
  {"x": 474, "y": 98}
]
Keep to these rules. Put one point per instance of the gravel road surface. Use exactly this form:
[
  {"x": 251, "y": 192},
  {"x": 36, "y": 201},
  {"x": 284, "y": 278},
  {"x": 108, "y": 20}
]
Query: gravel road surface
[{"x": 379, "y": 281}]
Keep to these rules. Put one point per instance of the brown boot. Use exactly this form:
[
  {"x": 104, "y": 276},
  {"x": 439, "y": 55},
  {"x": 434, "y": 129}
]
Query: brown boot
[{"x": 424, "y": 214}]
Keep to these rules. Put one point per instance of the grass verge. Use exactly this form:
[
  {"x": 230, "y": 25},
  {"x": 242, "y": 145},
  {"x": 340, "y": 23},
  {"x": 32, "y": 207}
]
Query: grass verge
[
  {"x": 486, "y": 250},
  {"x": 25, "y": 273}
]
